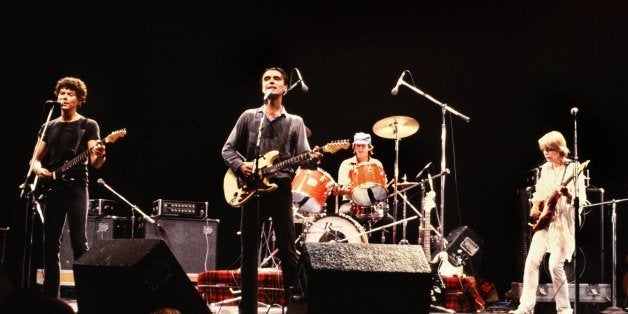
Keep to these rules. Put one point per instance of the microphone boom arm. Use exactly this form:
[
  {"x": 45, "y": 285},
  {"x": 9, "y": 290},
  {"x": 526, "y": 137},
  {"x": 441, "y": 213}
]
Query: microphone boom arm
[
  {"x": 133, "y": 206},
  {"x": 444, "y": 106}
]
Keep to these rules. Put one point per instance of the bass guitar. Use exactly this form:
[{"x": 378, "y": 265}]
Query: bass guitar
[
  {"x": 549, "y": 204},
  {"x": 59, "y": 174},
  {"x": 238, "y": 189}
]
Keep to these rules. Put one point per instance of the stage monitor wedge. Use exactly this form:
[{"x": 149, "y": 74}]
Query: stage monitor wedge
[
  {"x": 133, "y": 276},
  {"x": 364, "y": 278}
]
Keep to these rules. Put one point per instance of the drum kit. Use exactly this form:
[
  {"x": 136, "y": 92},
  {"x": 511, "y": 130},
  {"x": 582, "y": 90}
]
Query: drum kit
[{"x": 368, "y": 194}]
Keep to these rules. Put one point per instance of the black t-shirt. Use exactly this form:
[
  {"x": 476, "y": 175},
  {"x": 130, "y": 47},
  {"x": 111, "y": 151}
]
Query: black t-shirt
[{"x": 62, "y": 139}]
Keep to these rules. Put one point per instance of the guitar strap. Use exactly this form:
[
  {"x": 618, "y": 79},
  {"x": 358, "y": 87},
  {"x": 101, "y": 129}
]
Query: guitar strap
[{"x": 80, "y": 132}]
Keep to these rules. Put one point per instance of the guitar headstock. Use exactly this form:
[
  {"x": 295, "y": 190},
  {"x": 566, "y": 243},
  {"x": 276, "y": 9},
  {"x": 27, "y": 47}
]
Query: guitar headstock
[
  {"x": 583, "y": 166},
  {"x": 115, "y": 135},
  {"x": 335, "y": 146}
]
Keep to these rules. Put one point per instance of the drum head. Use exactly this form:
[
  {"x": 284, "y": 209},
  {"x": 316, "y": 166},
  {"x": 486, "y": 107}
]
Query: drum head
[
  {"x": 368, "y": 194},
  {"x": 335, "y": 229}
]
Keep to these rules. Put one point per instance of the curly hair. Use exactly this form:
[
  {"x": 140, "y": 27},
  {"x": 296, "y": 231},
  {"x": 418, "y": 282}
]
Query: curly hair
[{"x": 74, "y": 84}]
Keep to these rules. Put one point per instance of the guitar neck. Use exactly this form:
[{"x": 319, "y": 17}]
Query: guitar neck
[
  {"x": 296, "y": 160},
  {"x": 571, "y": 177},
  {"x": 73, "y": 162}
]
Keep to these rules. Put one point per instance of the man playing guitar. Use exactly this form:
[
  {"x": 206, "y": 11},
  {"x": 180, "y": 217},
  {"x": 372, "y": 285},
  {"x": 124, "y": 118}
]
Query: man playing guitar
[{"x": 552, "y": 201}]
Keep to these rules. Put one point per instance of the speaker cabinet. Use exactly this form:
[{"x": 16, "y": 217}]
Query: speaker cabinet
[
  {"x": 464, "y": 246},
  {"x": 193, "y": 242},
  {"x": 364, "y": 278},
  {"x": 133, "y": 276},
  {"x": 100, "y": 228}
]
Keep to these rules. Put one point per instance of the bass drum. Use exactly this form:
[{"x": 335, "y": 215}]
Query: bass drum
[{"x": 335, "y": 228}]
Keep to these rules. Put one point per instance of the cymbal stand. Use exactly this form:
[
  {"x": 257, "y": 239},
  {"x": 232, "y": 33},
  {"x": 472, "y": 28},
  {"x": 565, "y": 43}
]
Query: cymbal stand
[
  {"x": 271, "y": 255},
  {"x": 396, "y": 178},
  {"x": 267, "y": 244},
  {"x": 443, "y": 164},
  {"x": 405, "y": 223},
  {"x": 613, "y": 308}
]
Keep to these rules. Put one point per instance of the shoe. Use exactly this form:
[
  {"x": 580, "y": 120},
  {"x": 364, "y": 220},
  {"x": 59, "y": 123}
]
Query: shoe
[
  {"x": 295, "y": 295},
  {"x": 520, "y": 311}
]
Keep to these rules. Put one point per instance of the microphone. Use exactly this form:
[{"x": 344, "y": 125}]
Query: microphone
[
  {"x": 574, "y": 111},
  {"x": 395, "y": 89},
  {"x": 304, "y": 87},
  {"x": 267, "y": 94},
  {"x": 101, "y": 182},
  {"x": 423, "y": 170},
  {"x": 53, "y": 103}
]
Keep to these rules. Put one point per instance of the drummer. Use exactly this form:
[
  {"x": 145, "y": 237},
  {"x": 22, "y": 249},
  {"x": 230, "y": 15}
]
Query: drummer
[{"x": 363, "y": 151}]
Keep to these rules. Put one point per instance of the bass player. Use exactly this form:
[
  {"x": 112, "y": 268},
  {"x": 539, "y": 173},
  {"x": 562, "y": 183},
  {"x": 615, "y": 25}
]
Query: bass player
[
  {"x": 279, "y": 131},
  {"x": 556, "y": 188}
]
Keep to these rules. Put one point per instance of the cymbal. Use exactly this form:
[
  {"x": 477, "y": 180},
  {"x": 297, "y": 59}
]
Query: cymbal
[
  {"x": 396, "y": 127},
  {"x": 308, "y": 132},
  {"x": 406, "y": 184}
]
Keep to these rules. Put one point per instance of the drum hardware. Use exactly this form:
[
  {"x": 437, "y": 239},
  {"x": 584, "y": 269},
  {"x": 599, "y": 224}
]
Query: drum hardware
[
  {"x": 267, "y": 243},
  {"x": 404, "y": 225},
  {"x": 301, "y": 218},
  {"x": 271, "y": 256},
  {"x": 367, "y": 213},
  {"x": 347, "y": 239},
  {"x": 396, "y": 127}
]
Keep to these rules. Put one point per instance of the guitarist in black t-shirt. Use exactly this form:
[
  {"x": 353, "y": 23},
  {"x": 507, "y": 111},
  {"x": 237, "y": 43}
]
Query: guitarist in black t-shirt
[{"x": 65, "y": 137}]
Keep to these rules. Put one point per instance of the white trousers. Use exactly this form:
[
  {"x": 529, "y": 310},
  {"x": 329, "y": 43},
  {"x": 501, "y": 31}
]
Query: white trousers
[{"x": 538, "y": 248}]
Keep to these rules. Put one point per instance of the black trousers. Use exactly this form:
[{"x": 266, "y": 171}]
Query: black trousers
[
  {"x": 72, "y": 201},
  {"x": 276, "y": 205}
]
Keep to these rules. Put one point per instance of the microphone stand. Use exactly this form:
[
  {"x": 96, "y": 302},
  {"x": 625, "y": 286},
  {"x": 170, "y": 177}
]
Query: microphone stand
[
  {"x": 33, "y": 208},
  {"x": 576, "y": 205},
  {"x": 443, "y": 164},
  {"x": 256, "y": 180},
  {"x": 134, "y": 208},
  {"x": 613, "y": 308}
]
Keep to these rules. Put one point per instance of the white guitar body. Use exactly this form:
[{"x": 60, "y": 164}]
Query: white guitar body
[{"x": 445, "y": 268}]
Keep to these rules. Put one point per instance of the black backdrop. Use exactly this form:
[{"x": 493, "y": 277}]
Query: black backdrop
[{"x": 177, "y": 75}]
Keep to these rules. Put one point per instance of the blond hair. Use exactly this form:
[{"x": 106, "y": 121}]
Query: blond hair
[{"x": 555, "y": 141}]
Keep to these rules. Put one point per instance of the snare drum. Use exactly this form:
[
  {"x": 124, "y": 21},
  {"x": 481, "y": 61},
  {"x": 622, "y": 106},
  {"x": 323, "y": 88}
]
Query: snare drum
[
  {"x": 310, "y": 189},
  {"x": 372, "y": 213},
  {"x": 335, "y": 228},
  {"x": 368, "y": 182}
]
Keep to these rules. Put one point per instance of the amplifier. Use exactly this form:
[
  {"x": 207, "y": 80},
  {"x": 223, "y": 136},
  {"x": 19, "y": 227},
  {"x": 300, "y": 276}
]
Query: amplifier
[
  {"x": 102, "y": 207},
  {"x": 183, "y": 209}
]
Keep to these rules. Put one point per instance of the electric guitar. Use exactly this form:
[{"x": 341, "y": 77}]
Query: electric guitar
[
  {"x": 438, "y": 287},
  {"x": 59, "y": 174},
  {"x": 549, "y": 204},
  {"x": 238, "y": 189}
]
